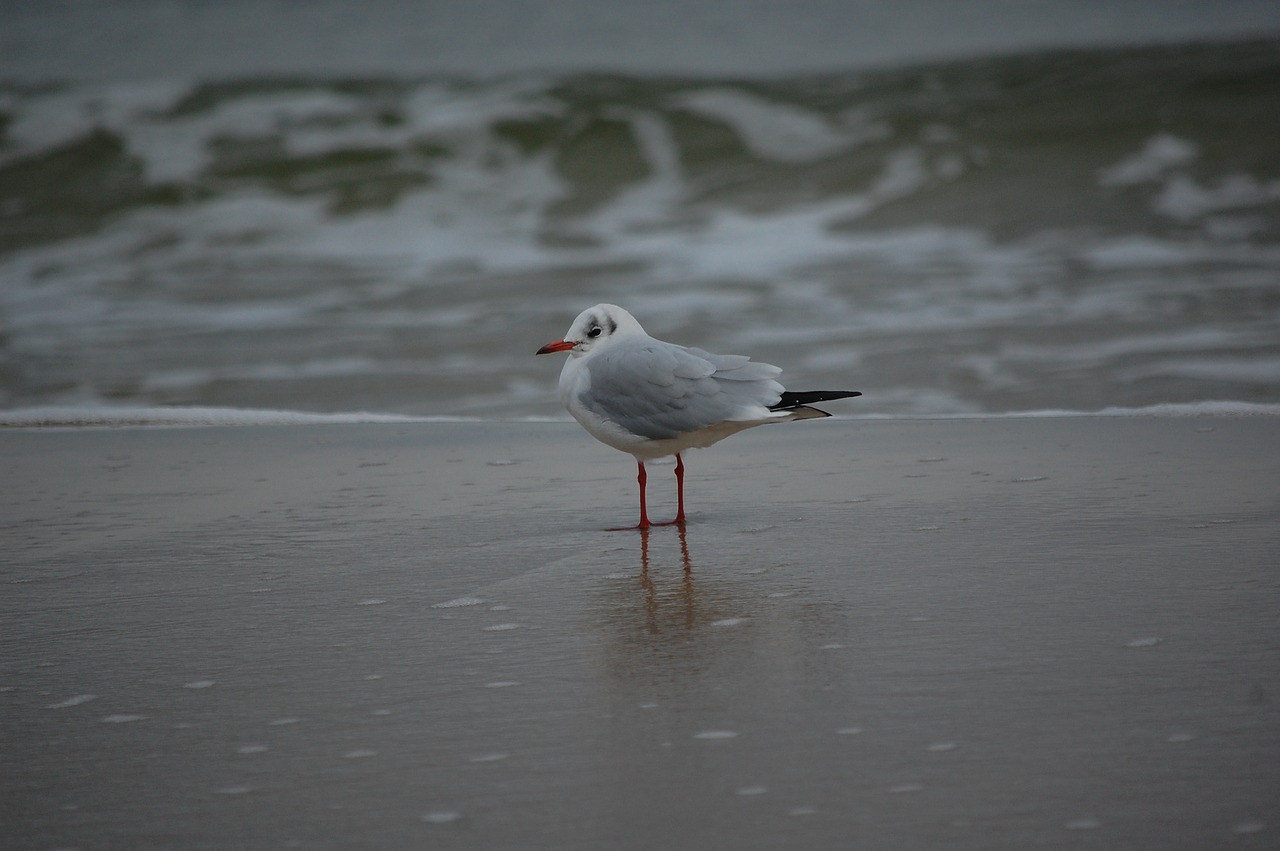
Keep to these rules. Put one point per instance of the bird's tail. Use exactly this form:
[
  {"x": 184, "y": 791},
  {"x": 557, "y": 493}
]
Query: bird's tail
[{"x": 799, "y": 401}]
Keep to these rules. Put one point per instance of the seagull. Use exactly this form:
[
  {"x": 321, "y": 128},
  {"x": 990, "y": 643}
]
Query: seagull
[{"x": 653, "y": 399}]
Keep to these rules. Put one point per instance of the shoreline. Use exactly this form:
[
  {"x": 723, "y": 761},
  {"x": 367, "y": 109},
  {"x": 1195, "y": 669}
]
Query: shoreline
[{"x": 143, "y": 416}]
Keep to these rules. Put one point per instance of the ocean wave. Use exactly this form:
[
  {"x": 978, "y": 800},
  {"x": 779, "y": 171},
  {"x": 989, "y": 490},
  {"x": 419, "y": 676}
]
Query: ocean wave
[{"x": 1070, "y": 229}]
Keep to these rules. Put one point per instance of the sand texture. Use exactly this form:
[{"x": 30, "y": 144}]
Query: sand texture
[{"x": 1008, "y": 633}]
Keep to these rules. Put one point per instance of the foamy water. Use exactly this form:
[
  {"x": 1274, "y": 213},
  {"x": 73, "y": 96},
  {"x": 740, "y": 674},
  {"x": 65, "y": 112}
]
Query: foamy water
[{"x": 1070, "y": 231}]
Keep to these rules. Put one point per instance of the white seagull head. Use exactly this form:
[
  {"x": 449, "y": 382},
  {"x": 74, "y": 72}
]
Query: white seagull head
[{"x": 594, "y": 329}]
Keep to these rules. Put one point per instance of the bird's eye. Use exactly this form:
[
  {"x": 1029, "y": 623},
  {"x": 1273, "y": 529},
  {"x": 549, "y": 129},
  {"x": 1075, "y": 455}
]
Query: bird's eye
[{"x": 595, "y": 332}]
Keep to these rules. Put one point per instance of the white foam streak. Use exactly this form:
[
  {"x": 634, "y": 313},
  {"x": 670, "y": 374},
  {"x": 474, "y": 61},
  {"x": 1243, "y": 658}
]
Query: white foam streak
[
  {"x": 1161, "y": 153},
  {"x": 1164, "y": 159},
  {"x": 1144, "y": 252},
  {"x": 137, "y": 417},
  {"x": 1259, "y": 370},
  {"x": 1099, "y": 351},
  {"x": 1189, "y": 409},
  {"x": 43, "y": 121},
  {"x": 1184, "y": 199},
  {"x": 780, "y": 132},
  {"x": 116, "y": 417}
]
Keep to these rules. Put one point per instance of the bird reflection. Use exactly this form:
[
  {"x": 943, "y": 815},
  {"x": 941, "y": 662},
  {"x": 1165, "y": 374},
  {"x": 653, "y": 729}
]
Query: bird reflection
[
  {"x": 652, "y": 601},
  {"x": 684, "y": 551},
  {"x": 661, "y": 608}
]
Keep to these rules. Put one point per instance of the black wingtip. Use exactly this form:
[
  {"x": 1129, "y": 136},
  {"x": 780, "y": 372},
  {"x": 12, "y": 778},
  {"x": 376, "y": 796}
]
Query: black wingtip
[{"x": 794, "y": 399}]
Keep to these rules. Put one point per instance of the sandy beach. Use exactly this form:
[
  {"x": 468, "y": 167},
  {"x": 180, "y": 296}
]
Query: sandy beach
[{"x": 1004, "y": 633}]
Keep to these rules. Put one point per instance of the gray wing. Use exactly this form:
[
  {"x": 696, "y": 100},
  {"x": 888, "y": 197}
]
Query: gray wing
[{"x": 659, "y": 390}]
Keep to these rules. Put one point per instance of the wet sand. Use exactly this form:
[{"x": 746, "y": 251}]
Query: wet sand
[{"x": 1012, "y": 633}]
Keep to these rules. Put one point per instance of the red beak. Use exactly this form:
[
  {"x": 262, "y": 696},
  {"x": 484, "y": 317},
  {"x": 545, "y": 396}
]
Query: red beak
[{"x": 557, "y": 346}]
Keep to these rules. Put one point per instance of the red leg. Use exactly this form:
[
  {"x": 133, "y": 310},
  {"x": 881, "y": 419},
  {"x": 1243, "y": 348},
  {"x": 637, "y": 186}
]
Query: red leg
[
  {"x": 643, "y": 479},
  {"x": 679, "y": 521}
]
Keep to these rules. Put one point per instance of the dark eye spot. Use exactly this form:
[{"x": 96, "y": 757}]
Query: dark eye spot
[{"x": 594, "y": 332}]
